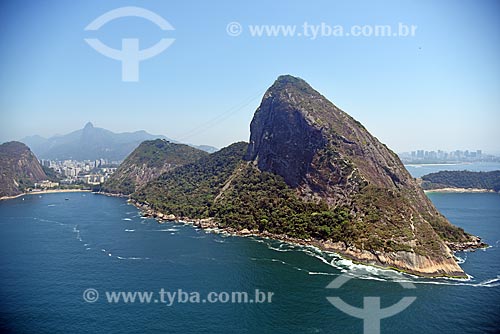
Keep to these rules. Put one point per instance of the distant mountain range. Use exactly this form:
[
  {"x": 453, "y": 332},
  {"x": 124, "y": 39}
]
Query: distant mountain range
[{"x": 91, "y": 143}]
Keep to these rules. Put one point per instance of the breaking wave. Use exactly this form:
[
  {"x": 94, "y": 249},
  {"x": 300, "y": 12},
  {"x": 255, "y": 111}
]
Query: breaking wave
[{"x": 366, "y": 272}]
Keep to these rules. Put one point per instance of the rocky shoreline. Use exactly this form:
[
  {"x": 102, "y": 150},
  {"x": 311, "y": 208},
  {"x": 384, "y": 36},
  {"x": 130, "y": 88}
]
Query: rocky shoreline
[
  {"x": 459, "y": 190},
  {"x": 472, "y": 245},
  {"x": 406, "y": 262},
  {"x": 111, "y": 194}
]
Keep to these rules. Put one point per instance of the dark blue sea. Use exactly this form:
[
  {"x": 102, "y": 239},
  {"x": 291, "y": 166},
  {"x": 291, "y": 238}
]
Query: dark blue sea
[{"x": 54, "y": 247}]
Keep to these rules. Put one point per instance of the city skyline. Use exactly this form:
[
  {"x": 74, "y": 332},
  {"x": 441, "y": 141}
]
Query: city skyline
[{"x": 454, "y": 156}]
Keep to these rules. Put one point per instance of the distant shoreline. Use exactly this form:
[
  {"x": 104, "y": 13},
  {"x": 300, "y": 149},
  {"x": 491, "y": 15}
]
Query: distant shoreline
[
  {"x": 51, "y": 191},
  {"x": 437, "y": 164},
  {"x": 459, "y": 190}
]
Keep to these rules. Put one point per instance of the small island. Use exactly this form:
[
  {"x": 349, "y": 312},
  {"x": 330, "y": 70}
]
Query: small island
[{"x": 461, "y": 181}]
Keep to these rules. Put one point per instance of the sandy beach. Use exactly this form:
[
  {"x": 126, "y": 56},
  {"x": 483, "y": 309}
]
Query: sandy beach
[{"x": 49, "y": 191}]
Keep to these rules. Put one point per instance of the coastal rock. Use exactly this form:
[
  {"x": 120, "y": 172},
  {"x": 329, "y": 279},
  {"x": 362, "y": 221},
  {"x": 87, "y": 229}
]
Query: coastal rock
[
  {"x": 408, "y": 262},
  {"x": 473, "y": 243},
  {"x": 245, "y": 231}
]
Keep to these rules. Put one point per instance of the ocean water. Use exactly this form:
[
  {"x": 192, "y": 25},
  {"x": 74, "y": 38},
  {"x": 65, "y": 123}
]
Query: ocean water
[{"x": 53, "y": 247}]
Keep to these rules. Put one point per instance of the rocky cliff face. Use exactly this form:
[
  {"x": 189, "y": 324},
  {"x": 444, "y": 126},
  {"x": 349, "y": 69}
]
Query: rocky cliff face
[
  {"x": 299, "y": 134},
  {"x": 147, "y": 162},
  {"x": 326, "y": 155},
  {"x": 19, "y": 169}
]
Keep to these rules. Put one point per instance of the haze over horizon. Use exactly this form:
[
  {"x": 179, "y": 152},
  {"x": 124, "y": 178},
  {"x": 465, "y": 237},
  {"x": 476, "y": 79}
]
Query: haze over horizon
[
  {"x": 436, "y": 90},
  {"x": 187, "y": 142}
]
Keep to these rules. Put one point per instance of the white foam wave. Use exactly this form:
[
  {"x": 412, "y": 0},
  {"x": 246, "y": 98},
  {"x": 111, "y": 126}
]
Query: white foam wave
[
  {"x": 321, "y": 273},
  {"x": 127, "y": 230},
  {"x": 167, "y": 230},
  {"x": 279, "y": 249},
  {"x": 132, "y": 258},
  {"x": 127, "y": 219},
  {"x": 367, "y": 272},
  {"x": 489, "y": 283},
  {"x": 258, "y": 240},
  {"x": 461, "y": 260}
]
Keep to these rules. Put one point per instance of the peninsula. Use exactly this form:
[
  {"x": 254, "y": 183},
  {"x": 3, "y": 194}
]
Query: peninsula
[{"x": 312, "y": 174}]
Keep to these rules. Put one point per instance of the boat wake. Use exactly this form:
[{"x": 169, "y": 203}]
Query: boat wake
[
  {"x": 132, "y": 258},
  {"x": 77, "y": 231},
  {"x": 166, "y": 230},
  {"x": 294, "y": 267}
]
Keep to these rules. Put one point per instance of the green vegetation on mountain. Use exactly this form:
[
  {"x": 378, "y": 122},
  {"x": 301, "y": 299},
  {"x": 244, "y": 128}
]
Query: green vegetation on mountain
[
  {"x": 19, "y": 169},
  {"x": 238, "y": 195},
  {"x": 462, "y": 179},
  {"x": 190, "y": 190},
  {"x": 148, "y": 161},
  {"x": 262, "y": 201}
]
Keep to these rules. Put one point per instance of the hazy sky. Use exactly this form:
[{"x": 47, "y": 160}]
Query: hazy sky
[{"x": 437, "y": 90}]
